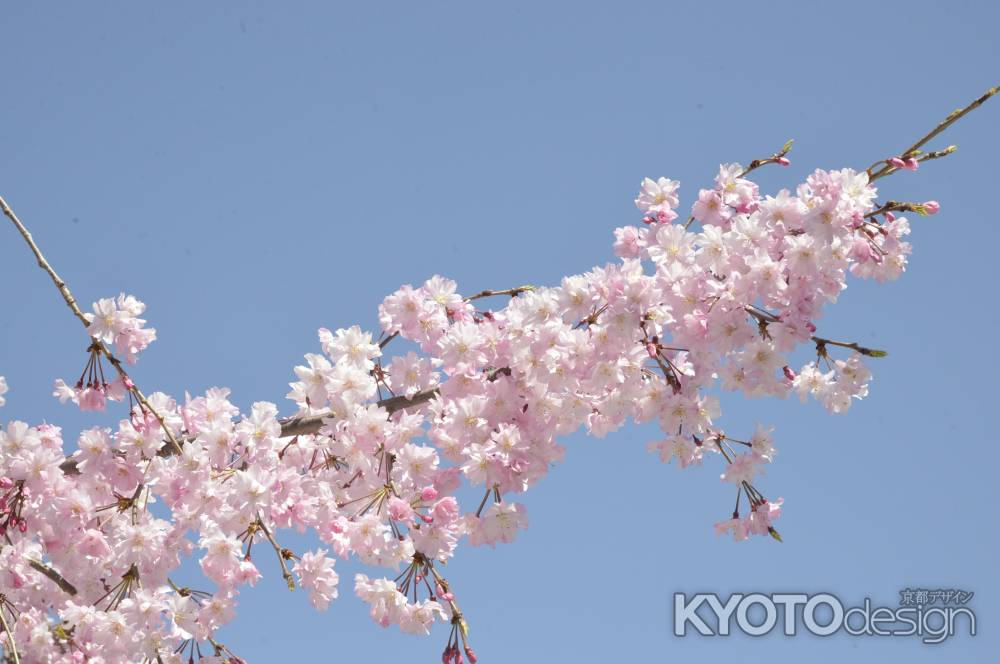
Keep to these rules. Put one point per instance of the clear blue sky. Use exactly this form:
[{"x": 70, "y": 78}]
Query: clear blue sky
[{"x": 255, "y": 171}]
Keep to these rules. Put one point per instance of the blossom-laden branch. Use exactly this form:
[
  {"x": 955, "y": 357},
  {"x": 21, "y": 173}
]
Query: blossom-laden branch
[
  {"x": 484, "y": 401},
  {"x": 96, "y": 344}
]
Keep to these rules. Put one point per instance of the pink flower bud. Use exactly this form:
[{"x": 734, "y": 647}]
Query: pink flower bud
[
  {"x": 931, "y": 207},
  {"x": 471, "y": 655},
  {"x": 911, "y": 164},
  {"x": 652, "y": 350},
  {"x": 789, "y": 374},
  {"x": 889, "y": 216},
  {"x": 428, "y": 493},
  {"x": 896, "y": 162},
  {"x": 783, "y": 161},
  {"x": 6, "y": 483},
  {"x": 648, "y": 220}
]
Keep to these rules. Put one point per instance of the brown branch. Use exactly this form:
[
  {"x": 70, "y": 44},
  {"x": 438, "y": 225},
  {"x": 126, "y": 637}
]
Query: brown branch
[
  {"x": 283, "y": 554},
  {"x": 914, "y": 150},
  {"x": 899, "y": 206},
  {"x": 302, "y": 425},
  {"x": 385, "y": 342},
  {"x": 53, "y": 576},
  {"x": 775, "y": 158},
  {"x": 822, "y": 343},
  {"x": 513, "y": 292},
  {"x": 297, "y": 426},
  {"x": 766, "y": 317}
]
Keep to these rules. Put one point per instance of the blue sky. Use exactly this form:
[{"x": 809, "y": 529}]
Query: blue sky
[{"x": 254, "y": 171}]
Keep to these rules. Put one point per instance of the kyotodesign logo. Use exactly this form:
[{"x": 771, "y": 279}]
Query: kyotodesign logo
[{"x": 931, "y": 615}]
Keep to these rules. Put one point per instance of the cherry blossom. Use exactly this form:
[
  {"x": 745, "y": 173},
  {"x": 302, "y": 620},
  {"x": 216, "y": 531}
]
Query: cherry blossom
[{"x": 377, "y": 448}]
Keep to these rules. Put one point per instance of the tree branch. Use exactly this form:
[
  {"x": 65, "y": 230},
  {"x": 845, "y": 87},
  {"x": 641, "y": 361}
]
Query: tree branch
[
  {"x": 67, "y": 295},
  {"x": 914, "y": 150},
  {"x": 513, "y": 292},
  {"x": 303, "y": 425},
  {"x": 53, "y": 576}
]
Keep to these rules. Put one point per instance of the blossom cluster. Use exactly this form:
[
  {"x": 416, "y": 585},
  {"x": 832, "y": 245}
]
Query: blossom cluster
[{"x": 374, "y": 456}]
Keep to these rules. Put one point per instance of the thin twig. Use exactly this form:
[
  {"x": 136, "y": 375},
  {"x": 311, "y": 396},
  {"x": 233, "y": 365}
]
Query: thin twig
[
  {"x": 10, "y": 637},
  {"x": 285, "y": 574},
  {"x": 913, "y": 150},
  {"x": 767, "y": 317}
]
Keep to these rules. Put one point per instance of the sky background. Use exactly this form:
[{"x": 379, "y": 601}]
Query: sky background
[{"x": 254, "y": 171}]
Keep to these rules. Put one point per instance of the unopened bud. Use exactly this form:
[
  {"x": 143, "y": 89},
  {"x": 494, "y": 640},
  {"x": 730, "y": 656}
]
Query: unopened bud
[
  {"x": 783, "y": 161},
  {"x": 931, "y": 207}
]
